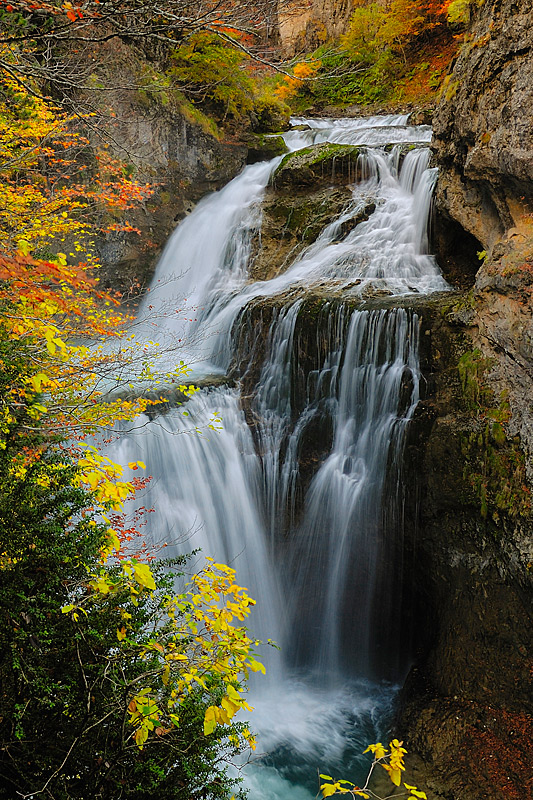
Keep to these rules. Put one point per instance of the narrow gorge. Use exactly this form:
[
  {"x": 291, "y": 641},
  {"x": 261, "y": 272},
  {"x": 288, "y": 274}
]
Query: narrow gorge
[
  {"x": 363, "y": 482},
  {"x": 266, "y": 321}
]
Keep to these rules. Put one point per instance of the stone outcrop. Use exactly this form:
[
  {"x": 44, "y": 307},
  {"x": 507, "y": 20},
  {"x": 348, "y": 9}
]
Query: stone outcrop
[
  {"x": 309, "y": 190},
  {"x": 302, "y": 28},
  {"x": 290, "y": 223},
  {"x": 483, "y": 129},
  {"x": 162, "y": 140},
  {"x": 316, "y": 166}
]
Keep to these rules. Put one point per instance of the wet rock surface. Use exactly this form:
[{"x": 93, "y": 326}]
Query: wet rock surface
[
  {"x": 320, "y": 165},
  {"x": 309, "y": 190},
  {"x": 290, "y": 223}
]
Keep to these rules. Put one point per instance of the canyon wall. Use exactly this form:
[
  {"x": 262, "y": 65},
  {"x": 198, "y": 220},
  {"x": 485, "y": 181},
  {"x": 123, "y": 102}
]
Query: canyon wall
[
  {"x": 162, "y": 140},
  {"x": 468, "y": 704},
  {"x": 303, "y": 27}
]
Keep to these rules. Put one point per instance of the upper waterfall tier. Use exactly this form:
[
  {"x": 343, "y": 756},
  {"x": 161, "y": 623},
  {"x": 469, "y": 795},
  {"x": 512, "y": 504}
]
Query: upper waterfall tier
[
  {"x": 370, "y": 131},
  {"x": 203, "y": 279}
]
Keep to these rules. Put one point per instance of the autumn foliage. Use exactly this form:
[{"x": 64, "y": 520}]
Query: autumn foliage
[
  {"x": 147, "y": 672},
  {"x": 395, "y": 52}
]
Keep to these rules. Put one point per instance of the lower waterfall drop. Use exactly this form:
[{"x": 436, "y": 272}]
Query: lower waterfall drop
[{"x": 327, "y": 587}]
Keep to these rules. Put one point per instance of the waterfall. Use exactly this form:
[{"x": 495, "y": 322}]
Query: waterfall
[
  {"x": 201, "y": 284},
  {"x": 342, "y": 616},
  {"x": 301, "y": 490}
]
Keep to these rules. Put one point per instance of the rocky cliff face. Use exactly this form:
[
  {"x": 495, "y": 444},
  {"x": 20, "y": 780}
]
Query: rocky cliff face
[
  {"x": 304, "y": 28},
  {"x": 163, "y": 141},
  {"x": 483, "y": 129},
  {"x": 468, "y": 705}
]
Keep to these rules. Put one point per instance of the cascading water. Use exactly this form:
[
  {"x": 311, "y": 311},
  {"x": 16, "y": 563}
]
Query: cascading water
[
  {"x": 348, "y": 548},
  {"x": 317, "y": 551},
  {"x": 201, "y": 284}
]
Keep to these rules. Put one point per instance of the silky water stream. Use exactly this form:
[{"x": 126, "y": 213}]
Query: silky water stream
[{"x": 320, "y": 547}]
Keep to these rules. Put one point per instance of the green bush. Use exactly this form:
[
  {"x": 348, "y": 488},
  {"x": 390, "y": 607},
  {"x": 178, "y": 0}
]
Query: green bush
[
  {"x": 212, "y": 72},
  {"x": 66, "y": 679}
]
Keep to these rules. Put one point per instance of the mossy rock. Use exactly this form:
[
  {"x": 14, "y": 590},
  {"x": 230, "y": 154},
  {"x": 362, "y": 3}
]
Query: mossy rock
[
  {"x": 263, "y": 147},
  {"x": 320, "y": 165},
  {"x": 290, "y": 223}
]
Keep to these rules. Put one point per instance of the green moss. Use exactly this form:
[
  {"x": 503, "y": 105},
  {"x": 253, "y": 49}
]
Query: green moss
[
  {"x": 197, "y": 117},
  {"x": 471, "y": 367},
  {"x": 265, "y": 146},
  {"x": 449, "y": 89},
  {"x": 317, "y": 155},
  {"x": 457, "y": 305},
  {"x": 494, "y": 464}
]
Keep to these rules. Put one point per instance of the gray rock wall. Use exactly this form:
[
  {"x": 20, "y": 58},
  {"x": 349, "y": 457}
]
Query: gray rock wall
[
  {"x": 467, "y": 705},
  {"x": 163, "y": 141},
  {"x": 483, "y": 128}
]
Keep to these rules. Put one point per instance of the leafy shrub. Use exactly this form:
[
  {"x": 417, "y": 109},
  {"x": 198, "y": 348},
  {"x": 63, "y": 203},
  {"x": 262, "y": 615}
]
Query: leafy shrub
[
  {"x": 86, "y": 675},
  {"x": 212, "y": 72}
]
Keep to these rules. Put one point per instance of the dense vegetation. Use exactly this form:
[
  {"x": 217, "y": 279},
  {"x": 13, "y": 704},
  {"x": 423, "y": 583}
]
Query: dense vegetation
[
  {"x": 102, "y": 690},
  {"x": 117, "y": 677},
  {"x": 396, "y": 53}
]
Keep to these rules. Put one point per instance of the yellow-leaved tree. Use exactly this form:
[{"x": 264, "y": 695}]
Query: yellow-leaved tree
[
  {"x": 392, "y": 761},
  {"x": 110, "y": 678}
]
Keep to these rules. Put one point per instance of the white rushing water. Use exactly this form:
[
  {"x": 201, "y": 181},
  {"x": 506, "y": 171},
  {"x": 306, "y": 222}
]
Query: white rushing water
[
  {"x": 202, "y": 284},
  {"x": 305, "y": 502}
]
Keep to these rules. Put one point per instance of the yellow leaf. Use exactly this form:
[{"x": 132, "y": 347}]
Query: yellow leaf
[
  {"x": 256, "y": 666},
  {"x": 230, "y": 707},
  {"x": 113, "y": 540},
  {"x": 38, "y": 380},
  {"x": 328, "y": 789},
  {"x": 121, "y": 634},
  {"x": 143, "y": 576},
  {"x": 141, "y": 735},
  {"x": 395, "y": 776},
  {"x": 416, "y": 792},
  {"x": 209, "y": 720},
  {"x": 377, "y": 749},
  {"x": 24, "y": 247}
]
